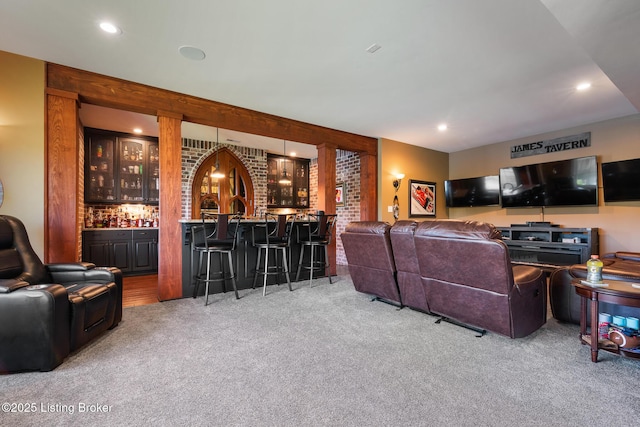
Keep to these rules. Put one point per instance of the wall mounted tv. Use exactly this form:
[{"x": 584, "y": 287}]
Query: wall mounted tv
[
  {"x": 468, "y": 192},
  {"x": 571, "y": 182},
  {"x": 621, "y": 180}
]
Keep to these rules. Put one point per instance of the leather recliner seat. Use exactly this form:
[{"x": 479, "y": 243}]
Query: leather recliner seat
[
  {"x": 48, "y": 311},
  {"x": 367, "y": 247},
  {"x": 565, "y": 303},
  {"x": 406, "y": 258},
  {"x": 467, "y": 276}
]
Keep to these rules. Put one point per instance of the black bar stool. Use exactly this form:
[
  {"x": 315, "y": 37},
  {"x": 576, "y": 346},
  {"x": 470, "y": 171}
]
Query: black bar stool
[
  {"x": 277, "y": 238},
  {"x": 320, "y": 232},
  {"x": 215, "y": 237}
]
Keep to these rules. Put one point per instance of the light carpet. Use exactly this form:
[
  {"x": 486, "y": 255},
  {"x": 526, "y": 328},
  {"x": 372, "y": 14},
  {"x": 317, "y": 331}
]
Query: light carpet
[{"x": 322, "y": 355}]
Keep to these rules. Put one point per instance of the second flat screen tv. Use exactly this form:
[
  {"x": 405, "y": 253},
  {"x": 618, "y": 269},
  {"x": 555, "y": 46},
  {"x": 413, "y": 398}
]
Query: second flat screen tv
[
  {"x": 572, "y": 182},
  {"x": 468, "y": 192},
  {"x": 621, "y": 180}
]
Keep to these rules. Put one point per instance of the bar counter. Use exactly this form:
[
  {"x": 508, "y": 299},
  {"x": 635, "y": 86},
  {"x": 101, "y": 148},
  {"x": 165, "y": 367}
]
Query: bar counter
[{"x": 244, "y": 258}]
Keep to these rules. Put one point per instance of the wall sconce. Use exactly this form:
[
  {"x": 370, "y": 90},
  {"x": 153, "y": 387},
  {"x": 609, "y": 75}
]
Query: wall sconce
[{"x": 398, "y": 181}]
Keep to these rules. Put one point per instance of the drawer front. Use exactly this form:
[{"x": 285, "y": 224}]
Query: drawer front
[
  {"x": 150, "y": 234},
  {"x": 106, "y": 235}
]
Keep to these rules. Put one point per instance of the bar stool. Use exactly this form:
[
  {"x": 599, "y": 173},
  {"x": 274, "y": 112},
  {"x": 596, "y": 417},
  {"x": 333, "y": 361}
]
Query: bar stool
[
  {"x": 277, "y": 238},
  {"x": 320, "y": 232},
  {"x": 217, "y": 237}
]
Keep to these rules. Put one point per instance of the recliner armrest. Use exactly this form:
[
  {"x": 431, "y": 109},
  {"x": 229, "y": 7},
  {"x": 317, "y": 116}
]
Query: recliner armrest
[
  {"x": 525, "y": 277},
  {"x": 82, "y": 272},
  {"x": 10, "y": 285},
  {"x": 70, "y": 266}
]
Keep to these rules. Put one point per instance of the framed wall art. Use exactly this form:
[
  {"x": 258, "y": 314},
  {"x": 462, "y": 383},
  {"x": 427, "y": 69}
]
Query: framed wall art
[
  {"x": 422, "y": 198},
  {"x": 341, "y": 194}
]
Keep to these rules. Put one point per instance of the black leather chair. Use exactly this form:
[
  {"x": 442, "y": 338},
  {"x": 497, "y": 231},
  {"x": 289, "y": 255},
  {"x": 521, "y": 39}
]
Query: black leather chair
[{"x": 48, "y": 311}]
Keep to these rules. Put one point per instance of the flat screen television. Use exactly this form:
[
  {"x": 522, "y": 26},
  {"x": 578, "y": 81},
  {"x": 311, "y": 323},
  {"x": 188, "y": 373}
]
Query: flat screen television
[
  {"x": 621, "y": 180},
  {"x": 572, "y": 182},
  {"x": 469, "y": 192}
]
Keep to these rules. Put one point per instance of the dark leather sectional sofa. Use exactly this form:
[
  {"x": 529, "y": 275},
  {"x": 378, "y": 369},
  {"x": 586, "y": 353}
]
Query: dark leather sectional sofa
[{"x": 459, "y": 270}]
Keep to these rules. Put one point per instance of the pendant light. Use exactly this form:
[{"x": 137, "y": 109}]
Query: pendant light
[
  {"x": 217, "y": 173},
  {"x": 284, "y": 179}
]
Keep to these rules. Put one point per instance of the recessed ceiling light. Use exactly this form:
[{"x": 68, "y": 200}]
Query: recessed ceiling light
[
  {"x": 442, "y": 127},
  {"x": 192, "y": 53},
  {"x": 373, "y": 48},
  {"x": 293, "y": 154},
  {"x": 108, "y": 27},
  {"x": 137, "y": 130},
  {"x": 583, "y": 86}
]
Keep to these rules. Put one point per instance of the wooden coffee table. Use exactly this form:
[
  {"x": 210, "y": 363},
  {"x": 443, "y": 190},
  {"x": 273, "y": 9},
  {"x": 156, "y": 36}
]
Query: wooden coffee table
[{"x": 616, "y": 292}]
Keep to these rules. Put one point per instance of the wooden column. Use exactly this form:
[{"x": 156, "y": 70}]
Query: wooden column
[
  {"x": 327, "y": 189},
  {"x": 368, "y": 186},
  {"x": 62, "y": 171},
  {"x": 170, "y": 240}
]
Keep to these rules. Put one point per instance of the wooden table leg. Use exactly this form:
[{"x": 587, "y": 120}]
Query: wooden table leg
[
  {"x": 583, "y": 317},
  {"x": 594, "y": 327}
]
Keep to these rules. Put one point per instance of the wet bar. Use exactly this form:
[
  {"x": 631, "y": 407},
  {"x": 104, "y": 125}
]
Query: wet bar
[{"x": 244, "y": 258}]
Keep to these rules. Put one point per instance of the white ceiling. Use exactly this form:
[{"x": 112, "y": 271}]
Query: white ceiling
[{"x": 493, "y": 70}]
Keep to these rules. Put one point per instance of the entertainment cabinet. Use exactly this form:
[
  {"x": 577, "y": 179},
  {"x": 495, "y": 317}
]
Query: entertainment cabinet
[{"x": 549, "y": 246}]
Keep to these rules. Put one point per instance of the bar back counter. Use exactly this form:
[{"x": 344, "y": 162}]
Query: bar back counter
[{"x": 244, "y": 258}]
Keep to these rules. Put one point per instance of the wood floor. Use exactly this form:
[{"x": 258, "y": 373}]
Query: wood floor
[
  {"x": 143, "y": 290},
  {"x": 139, "y": 290}
]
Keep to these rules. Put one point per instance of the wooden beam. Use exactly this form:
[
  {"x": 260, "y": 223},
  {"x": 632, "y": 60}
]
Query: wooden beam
[
  {"x": 170, "y": 238},
  {"x": 368, "y": 187},
  {"x": 327, "y": 190},
  {"x": 121, "y": 94},
  {"x": 62, "y": 177}
]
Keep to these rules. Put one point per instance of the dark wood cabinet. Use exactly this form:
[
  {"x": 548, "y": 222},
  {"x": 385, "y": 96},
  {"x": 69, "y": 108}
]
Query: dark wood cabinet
[
  {"x": 145, "y": 250},
  {"x": 134, "y": 251},
  {"x": 120, "y": 168},
  {"x": 293, "y": 194}
]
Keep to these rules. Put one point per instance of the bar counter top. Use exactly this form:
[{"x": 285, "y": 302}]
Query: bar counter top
[
  {"x": 249, "y": 219},
  {"x": 118, "y": 228}
]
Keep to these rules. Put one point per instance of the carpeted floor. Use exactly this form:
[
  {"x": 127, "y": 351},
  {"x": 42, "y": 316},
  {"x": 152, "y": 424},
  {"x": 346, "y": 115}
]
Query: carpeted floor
[{"x": 323, "y": 355}]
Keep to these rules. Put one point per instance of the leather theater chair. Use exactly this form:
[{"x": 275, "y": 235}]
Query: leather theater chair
[
  {"x": 406, "y": 257},
  {"x": 48, "y": 311},
  {"x": 468, "y": 277},
  {"x": 367, "y": 246}
]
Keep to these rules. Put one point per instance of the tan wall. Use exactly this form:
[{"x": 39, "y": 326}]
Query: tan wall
[
  {"x": 415, "y": 163},
  {"x": 22, "y": 153},
  {"x": 611, "y": 140}
]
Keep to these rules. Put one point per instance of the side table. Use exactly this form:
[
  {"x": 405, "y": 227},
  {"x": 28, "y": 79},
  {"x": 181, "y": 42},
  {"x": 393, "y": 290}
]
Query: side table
[{"x": 616, "y": 292}]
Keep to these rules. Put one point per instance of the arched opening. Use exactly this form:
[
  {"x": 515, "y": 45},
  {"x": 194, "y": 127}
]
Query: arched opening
[{"x": 231, "y": 194}]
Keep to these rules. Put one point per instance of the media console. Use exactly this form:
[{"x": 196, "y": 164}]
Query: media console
[{"x": 549, "y": 247}]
